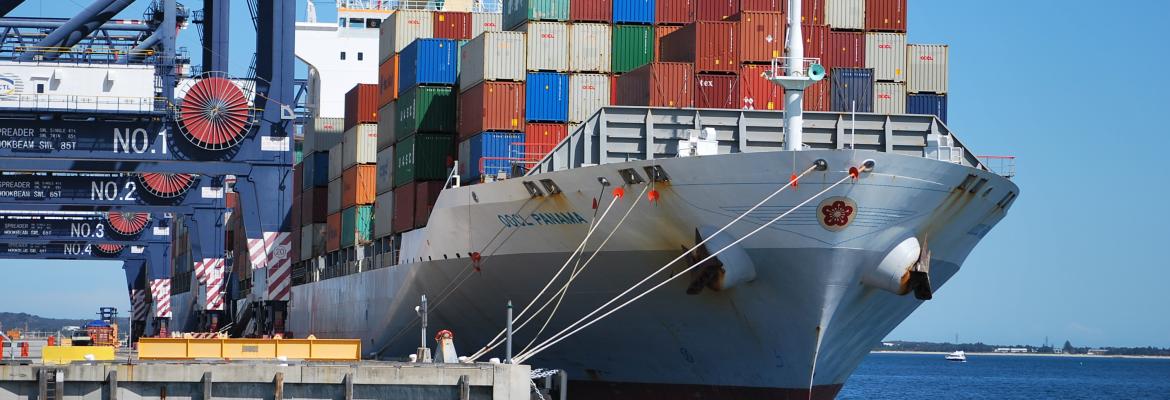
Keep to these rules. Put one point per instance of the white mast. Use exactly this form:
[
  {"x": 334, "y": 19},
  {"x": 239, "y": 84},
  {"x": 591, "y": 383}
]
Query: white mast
[{"x": 794, "y": 96}]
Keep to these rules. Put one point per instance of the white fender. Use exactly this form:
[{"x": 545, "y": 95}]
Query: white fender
[
  {"x": 738, "y": 267},
  {"x": 893, "y": 273}
]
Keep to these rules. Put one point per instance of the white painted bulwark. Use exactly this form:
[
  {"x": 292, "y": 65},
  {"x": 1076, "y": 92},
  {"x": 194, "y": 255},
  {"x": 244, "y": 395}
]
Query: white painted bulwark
[
  {"x": 385, "y": 172},
  {"x": 548, "y": 45},
  {"x": 402, "y": 28},
  {"x": 587, "y": 94},
  {"x": 926, "y": 69},
  {"x": 889, "y": 98},
  {"x": 63, "y": 86},
  {"x": 384, "y": 214},
  {"x": 360, "y": 145},
  {"x": 590, "y": 49},
  {"x": 485, "y": 22},
  {"x": 886, "y": 54},
  {"x": 845, "y": 14},
  {"x": 493, "y": 56}
]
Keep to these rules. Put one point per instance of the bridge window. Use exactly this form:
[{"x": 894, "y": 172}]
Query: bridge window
[
  {"x": 341, "y": 22},
  {"x": 343, "y": 55},
  {"x": 361, "y": 56},
  {"x": 373, "y": 23},
  {"x": 357, "y": 23}
]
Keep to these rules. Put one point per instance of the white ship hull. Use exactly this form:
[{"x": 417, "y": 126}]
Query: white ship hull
[{"x": 756, "y": 340}]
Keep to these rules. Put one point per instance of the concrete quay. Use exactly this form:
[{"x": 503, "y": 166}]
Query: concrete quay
[{"x": 264, "y": 381}]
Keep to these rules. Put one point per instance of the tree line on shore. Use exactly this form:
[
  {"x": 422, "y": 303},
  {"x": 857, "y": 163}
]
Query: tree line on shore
[{"x": 981, "y": 347}]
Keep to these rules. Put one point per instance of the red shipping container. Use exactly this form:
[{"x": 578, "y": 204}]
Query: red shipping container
[
  {"x": 674, "y": 12},
  {"x": 885, "y": 15},
  {"x": 660, "y": 84},
  {"x": 298, "y": 176},
  {"x": 763, "y": 5},
  {"x": 491, "y": 106},
  {"x": 404, "y": 207},
  {"x": 845, "y": 50},
  {"x": 361, "y": 105},
  {"x": 359, "y": 185},
  {"x": 816, "y": 40},
  {"x": 314, "y": 204},
  {"x": 660, "y": 32},
  {"x": 452, "y": 25},
  {"x": 717, "y": 91},
  {"x": 817, "y": 97},
  {"x": 233, "y": 201},
  {"x": 812, "y": 12},
  {"x": 539, "y": 139},
  {"x": 591, "y": 10},
  {"x": 711, "y": 46},
  {"x": 425, "y": 196},
  {"x": 726, "y": 10},
  {"x": 388, "y": 81},
  {"x": 758, "y": 92},
  {"x": 613, "y": 84},
  {"x": 761, "y": 36},
  {"x": 333, "y": 232}
]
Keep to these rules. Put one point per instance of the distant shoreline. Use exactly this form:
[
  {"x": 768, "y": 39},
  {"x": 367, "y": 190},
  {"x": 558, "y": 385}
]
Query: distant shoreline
[{"x": 1019, "y": 354}]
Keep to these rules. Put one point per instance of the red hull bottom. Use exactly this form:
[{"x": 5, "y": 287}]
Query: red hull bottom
[{"x": 653, "y": 391}]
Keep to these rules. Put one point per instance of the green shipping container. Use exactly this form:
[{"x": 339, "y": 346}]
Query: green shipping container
[
  {"x": 423, "y": 157},
  {"x": 518, "y": 11},
  {"x": 356, "y": 225},
  {"x": 633, "y": 47},
  {"x": 300, "y": 156},
  {"x": 425, "y": 109}
]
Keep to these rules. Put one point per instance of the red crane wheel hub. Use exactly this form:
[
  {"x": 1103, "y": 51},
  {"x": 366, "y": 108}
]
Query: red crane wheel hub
[
  {"x": 214, "y": 114},
  {"x": 128, "y": 223},
  {"x": 166, "y": 186},
  {"x": 108, "y": 248}
]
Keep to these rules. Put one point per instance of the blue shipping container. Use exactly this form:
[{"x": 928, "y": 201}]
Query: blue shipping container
[
  {"x": 547, "y": 95},
  {"x": 428, "y": 62},
  {"x": 928, "y": 104},
  {"x": 489, "y": 153},
  {"x": 633, "y": 12},
  {"x": 316, "y": 170},
  {"x": 852, "y": 85}
]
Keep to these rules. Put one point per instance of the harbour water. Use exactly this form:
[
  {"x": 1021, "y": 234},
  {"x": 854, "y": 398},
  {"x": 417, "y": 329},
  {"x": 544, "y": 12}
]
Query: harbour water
[{"x": 928, "y": 376}]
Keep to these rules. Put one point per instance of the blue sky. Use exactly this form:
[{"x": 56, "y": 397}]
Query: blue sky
[{"x": 1078, "y": 258}]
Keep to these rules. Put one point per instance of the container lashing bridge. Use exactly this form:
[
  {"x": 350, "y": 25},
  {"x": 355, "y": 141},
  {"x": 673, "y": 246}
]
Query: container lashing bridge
[{"x": 111, "y": 150}]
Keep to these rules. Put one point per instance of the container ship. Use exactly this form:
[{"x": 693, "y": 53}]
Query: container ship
[{"x": 634, "y": 177}]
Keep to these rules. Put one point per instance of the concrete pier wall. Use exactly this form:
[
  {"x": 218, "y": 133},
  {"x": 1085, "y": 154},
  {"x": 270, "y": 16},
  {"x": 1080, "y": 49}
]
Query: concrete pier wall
[{"x": 268, "y": 381}]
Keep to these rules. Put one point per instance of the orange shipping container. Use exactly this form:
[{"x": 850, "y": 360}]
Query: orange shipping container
[
  {"x": 491, "y": 106},
  {"x": 660, "y": 84},
  {"x": 361, "y": 105},
  {"x": 758, "y": 92},
  {"x": 711, "y": 46},
  {"x": 333, "y": 232},
  {"x": 660, "y": 32},
  {"x": 388, "y": 81},
  {"x": 539, "y": 139},
  {"x": 761, "y": 36},
  {"x": 817, "y": 97},
  {"x": 358, "y": 185}
]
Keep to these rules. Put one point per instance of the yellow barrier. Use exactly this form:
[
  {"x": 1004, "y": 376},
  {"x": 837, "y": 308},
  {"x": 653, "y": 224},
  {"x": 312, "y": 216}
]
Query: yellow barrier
[
  {"x": 249, "y": 349},
  {"x": 68, "y": 354}
]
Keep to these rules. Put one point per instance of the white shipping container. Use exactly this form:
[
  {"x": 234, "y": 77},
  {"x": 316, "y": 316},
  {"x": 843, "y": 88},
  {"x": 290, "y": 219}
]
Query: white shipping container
[
  {"x": 590, "y": 49},
  {"x": 384, "y": 214},
  {"x": 333, "y": 203},
  {"x": 926, "y": 68},
  {"x": 312, "y": 241},
  {"x": 386, "y": 125},
  {"x": 548, "y": 45},
  {"x": 493, "y": 56},
  {"x": 402, "y": 28},
  {"x": 385, "y": 172},
  {"x": 486, "y": 22},
  {"x": 336, "y": 161},
  {"x": 889, "y": 98},
  {"x": 321, "y": 134},
  {"x": 845, "y": 14},
  {"x": 886, "y": 54},
  {"x": 361, "y": 145},
  {"x": 587, "y": 94}
]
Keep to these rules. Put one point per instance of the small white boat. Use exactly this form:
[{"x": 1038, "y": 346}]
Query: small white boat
[{"x": 958, "y": 356}]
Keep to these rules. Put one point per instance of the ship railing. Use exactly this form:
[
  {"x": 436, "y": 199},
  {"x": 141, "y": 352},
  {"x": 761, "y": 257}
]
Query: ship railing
[
  {"x": 41, "y": 101},
  {"x": 479, "y": 6},
  {"x": 779, "y": 66},
  {"x": 1004, "y": 166},
  {"x": 88, "y": 54},
  {"x": 617, "y": 134}
]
